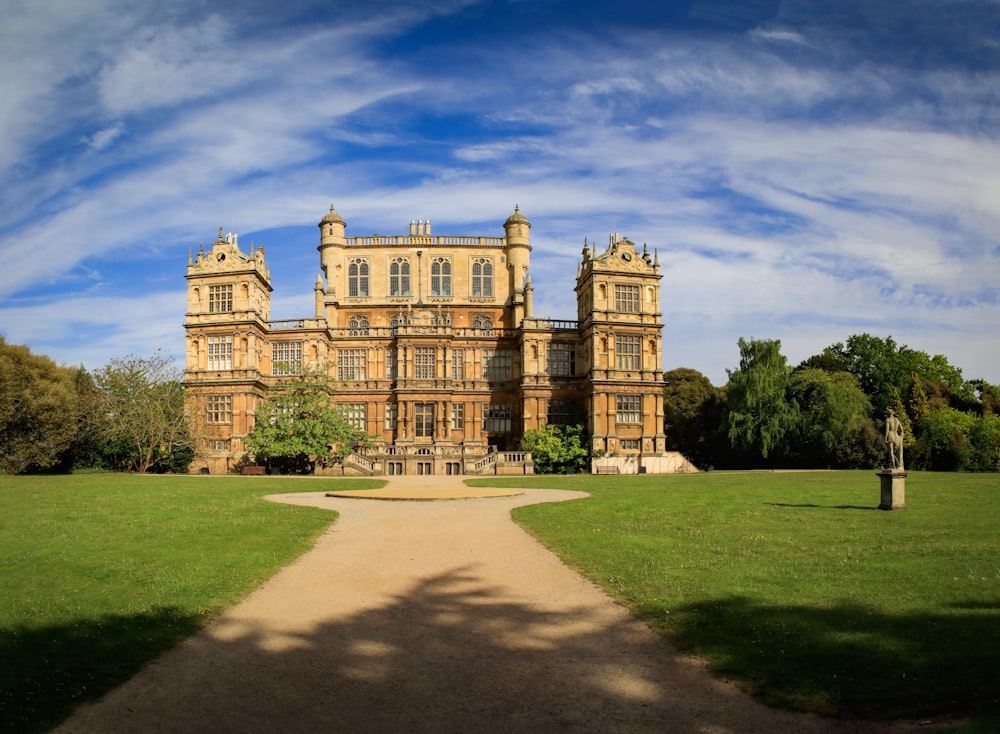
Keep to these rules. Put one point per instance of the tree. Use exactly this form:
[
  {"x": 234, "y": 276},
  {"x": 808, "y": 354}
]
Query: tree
[
  {"x": 863, "y": 447},
  {"x": 554, "y": 449},
  {"x": 692, "y": 416},
  {"x": 829, "y": 404},
  {"x": 140, "y": 413},
  {"x": 944, "y": 440},
  {"x": 38, "y": 410},
  {"x": 297, "y": 427},
  {"x": 759, "y": 414},
  {"x": 985, "y": 438},
  {"x": 918, "y": 405},
  {"x": 882, "y": 366},
  {"x": 989, "y": 396}
]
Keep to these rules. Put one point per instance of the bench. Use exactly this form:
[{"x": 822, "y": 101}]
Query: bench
[
  {"x": 607, "y": 470},
  {"x": 252, "y": 470}
]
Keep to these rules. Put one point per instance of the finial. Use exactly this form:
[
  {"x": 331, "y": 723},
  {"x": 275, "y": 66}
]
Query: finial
[
  {"x": 331, "y": 207},
  {"x": 220, "y": 234}
]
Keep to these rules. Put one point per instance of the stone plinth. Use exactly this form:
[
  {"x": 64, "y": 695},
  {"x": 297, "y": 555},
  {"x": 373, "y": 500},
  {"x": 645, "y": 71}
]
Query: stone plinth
[{"x": 893, "y": 490}]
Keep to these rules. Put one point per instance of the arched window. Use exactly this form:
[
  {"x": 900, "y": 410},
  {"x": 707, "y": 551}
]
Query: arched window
[
  {"x": 358, "y": 325},
  {"x": 357, "y": 278},
  {"x": 482, "y": 323},
  {"x": 482, "y": 278},
  {"x": 441, "y": 277},
  {"x": 399, "y": 277}
]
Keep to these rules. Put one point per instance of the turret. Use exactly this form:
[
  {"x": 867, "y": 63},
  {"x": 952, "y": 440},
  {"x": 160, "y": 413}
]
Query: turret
[
  {"x": 516, "y": 228},
  {"x": 331, "y": 241}
]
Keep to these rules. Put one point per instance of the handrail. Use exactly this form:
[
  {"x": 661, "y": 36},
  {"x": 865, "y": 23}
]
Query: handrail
[{"x": 423, "y": 240}]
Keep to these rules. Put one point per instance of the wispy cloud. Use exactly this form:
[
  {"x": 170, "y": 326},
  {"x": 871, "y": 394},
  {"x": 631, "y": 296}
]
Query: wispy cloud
[{"x": 798, "y": 181}]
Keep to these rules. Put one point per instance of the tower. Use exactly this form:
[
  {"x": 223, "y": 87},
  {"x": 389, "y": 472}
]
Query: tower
[
  {"x": 517, "y": 228},
  {"x": 226, "y": 326},
  {"x": 621, "y": 326}
]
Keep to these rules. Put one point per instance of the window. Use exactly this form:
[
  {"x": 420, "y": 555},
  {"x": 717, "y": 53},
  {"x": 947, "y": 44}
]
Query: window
[
  {"x": 496, "y": 419},
  {"x": 627, "y": 353},
  {"x": 457, "y": 417},
  {"x": 628, "y": 408},
  {"x": 355, "y": 414},
  {"x": 358, "y": 325},
  {"x": 286, "y": 358},
  {"x": 220, "y": 352},
  {"x": 440, "y": 277},
  {"x": 458, "y": 364},
  {"x": 219, "y": 409},
  {"x": 220, "y": 298},
  {"x": 482, "y": 277},
  {"x": 560, "y": 360},
  {"x": 629, "y": 444},
  {"x": 423, "y": 363},
  {"x": 399, "y": 276},
  {"x": 423, "y": 417},
  {"x": 496, "y": 365},
  {"x": 627, "y": 298},
  {"x": 390, "y": 416},
  {"x": 391, "y": 362},
  {"x": 220, "y": 445},
  {"x": 357, "y": 278},
  {"x": 351, "y": 364},
  {"x": 483, "y": 323},
  {"x": 560, "y": 412}
]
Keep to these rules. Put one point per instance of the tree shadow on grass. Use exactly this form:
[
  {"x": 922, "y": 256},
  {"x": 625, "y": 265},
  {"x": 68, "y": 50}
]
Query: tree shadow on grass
[
  {"x": 849, "y": 660},
  {"x": 452, "y": 653},
  {"x": 46, "y": 672}
]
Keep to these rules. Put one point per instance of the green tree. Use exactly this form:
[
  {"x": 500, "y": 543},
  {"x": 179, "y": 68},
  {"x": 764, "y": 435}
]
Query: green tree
[
  {"x": 881, "y": 366},
  {"x": 297, "y": 427},
  {"x": 693, "y": 416},
  {"x": 918, "y": 405},
  {"x": 38, "y": 410},
  {"x": 985, "y": 439},
  {"x": 759, "y": 413},
  {"x": 140, "y": 413},
  {"x": 556, "y": 449},
  {"x": 863, "y": 447},
  {"x": 944, "y": 440},
  {"x": 829, "y": 405}
]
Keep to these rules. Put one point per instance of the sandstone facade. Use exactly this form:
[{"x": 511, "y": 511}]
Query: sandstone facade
[{"x": 435, "y": 345}]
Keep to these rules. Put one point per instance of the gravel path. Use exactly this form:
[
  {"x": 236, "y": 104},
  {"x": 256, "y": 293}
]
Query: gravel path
[{"x": 431, "y": 617}]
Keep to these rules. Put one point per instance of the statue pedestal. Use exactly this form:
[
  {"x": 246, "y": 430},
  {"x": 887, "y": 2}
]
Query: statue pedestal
[{"x": 893, "y": 490}]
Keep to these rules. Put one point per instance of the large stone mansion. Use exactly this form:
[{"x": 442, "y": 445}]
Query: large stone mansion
[{"x": 436, "y": 350}]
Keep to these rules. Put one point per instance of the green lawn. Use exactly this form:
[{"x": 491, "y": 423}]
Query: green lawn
[
  {"x": 790, "y": 584},
  {"x": 101, "y": 572},
  {"x": 794, "y": 586}
]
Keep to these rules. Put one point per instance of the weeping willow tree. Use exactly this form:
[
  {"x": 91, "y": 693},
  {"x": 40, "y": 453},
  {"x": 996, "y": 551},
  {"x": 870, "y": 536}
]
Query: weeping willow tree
[{"x": 759, "y": 412}]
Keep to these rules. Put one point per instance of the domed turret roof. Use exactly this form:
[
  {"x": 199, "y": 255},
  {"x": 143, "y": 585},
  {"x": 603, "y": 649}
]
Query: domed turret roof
[
  {"x": 516, "y": 217},
  {"x": 332, "y": 217}
]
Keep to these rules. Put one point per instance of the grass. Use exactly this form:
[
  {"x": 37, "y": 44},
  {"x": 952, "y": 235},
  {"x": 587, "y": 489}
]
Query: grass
[
  {"x": 795, "y": 587},
  {"x": 99, "y": 573}
]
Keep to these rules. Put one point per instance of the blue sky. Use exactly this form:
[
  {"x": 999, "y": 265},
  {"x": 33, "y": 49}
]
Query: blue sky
[{"x": 806, "y": 169}]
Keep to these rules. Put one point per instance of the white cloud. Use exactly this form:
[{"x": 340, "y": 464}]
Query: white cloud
[{"x": 797, "y": 201}]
